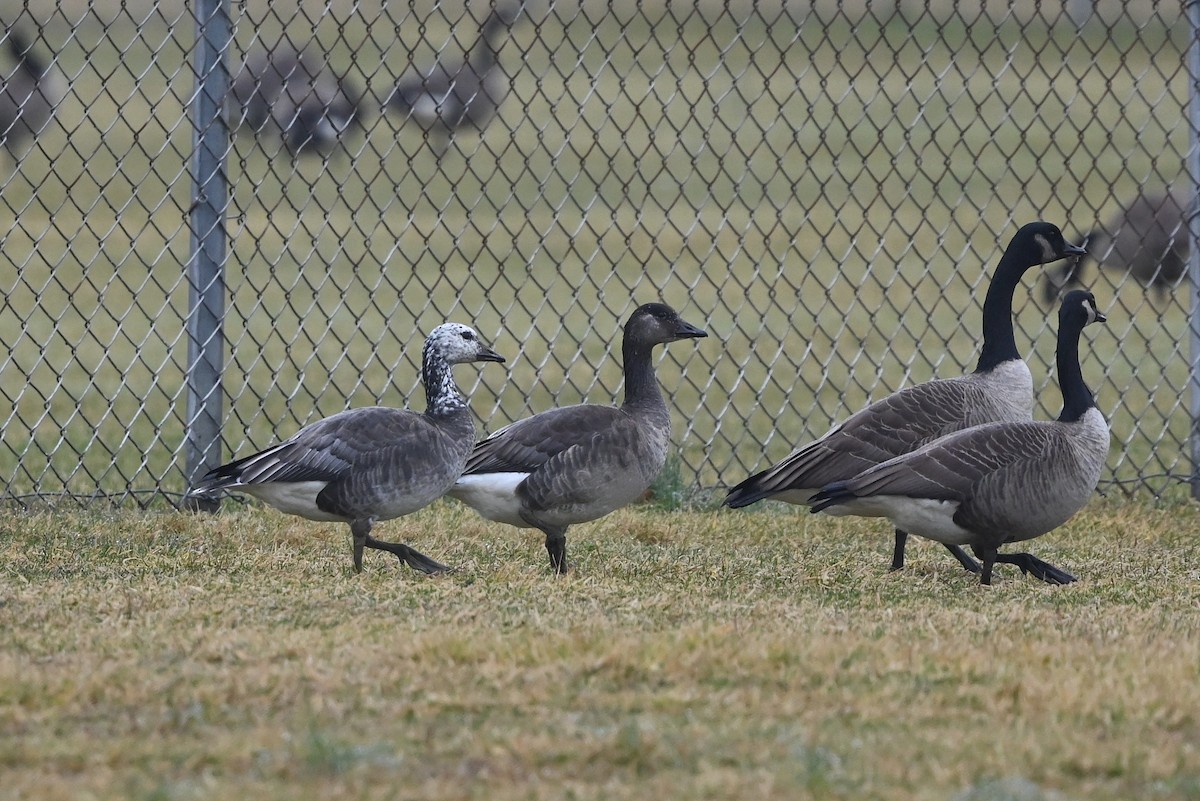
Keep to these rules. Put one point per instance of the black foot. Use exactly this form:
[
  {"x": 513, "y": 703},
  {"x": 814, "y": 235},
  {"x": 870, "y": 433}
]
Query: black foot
[
  {"x": 1031, "y": 565},
  {"x": 414, "y": 559}
]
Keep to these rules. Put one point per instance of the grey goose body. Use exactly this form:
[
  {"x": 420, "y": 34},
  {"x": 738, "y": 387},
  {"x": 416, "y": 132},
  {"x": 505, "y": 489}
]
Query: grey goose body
[
  {"x": 999, "y": 389},
  {"x": 578, "y": 463},
  {"x": 459, "y": 93},
  {"x": 294, "y": 94},
  {"x": 1147, "y": 239},
  {"x": 998, "y": 483},
  {"x": 375, "y": 463},
  {"x": 29, "y": 95}
]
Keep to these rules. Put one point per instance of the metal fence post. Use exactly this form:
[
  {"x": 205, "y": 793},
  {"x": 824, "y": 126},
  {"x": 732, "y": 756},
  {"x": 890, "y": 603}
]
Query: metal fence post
[
  {"x": 206, "y": 263},
  {"x": 1193, "y": 162}
]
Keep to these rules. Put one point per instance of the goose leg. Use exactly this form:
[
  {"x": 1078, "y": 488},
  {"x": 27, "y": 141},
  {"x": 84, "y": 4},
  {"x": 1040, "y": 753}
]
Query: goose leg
[
  {"x": 413, "y": 558},
  {"x": 556, "y": 546},
  {"x": 360, "y": 530},
  {"x": 969, "y": 564},
  {"x": 898, "y": 550},
  {"x": 988, "y": 557},
  {"x": 1031, "y": 565}
]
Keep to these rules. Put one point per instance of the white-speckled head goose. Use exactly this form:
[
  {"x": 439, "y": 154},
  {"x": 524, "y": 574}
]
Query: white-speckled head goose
[
  {"x": 579, "y": 463},
  {"x": 996, "y": 483},
  {"x": 375, "y": 463},
  {"x": 1000, "y": 388},
  {"x": 460, "y": 93}
]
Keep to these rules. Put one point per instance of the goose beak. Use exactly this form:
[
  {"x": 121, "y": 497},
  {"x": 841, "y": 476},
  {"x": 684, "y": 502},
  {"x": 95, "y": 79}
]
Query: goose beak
[
  {"x": 1074, "y": 250},
  {"x": 685, "y": 330},
  {"x": 1101, "y": 317},
  {"x": 488, "y": 355}
]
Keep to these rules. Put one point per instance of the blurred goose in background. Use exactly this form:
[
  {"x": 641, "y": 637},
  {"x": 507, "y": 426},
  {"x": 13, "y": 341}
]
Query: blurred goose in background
[
  {"x": 1000, "y": 389},
  {"x": 459, "y": 93},
  {"x": 29, "y": 95},
  {"x": 998, "y": 483},
  {"x": 578, "y": 463},
  {"x": 375, "y": 463},
  {"x": 295, "y": 95},
  {"x": 1148, "y": 239}
]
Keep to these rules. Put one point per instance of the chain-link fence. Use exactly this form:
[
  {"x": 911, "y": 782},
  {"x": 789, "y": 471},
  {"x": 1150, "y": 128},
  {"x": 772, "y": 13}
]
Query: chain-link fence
[{"x": 825, "y": 187}]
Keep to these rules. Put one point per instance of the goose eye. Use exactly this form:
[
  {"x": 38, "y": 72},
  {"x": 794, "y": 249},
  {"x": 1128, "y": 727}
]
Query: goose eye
[{"x": 467, "y": 335}]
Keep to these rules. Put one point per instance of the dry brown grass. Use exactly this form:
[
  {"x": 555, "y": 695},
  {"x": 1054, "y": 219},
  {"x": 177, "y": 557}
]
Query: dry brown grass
[{"x": 694, "y": 655}]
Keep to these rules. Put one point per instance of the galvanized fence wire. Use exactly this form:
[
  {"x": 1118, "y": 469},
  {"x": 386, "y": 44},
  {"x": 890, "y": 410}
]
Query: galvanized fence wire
[{"x": 826, "y": 188}]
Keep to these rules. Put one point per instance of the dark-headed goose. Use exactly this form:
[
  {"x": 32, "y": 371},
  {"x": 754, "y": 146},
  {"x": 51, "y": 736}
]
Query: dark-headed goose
[
  {"x": 374, "y": 463},
  {"x": 1001, "y": 388},
  {"x": 460, "y": 93},
  {"x": 294, "y": 94},
  {"x": 1148, "y": 239},
  {"x": 996, "y": 483},
  {"x": 579, "y": 463}
]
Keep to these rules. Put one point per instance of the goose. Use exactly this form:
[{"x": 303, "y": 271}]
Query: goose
[
  {"x": 996, "y": 483},
  {"x": 296, "y": 95},
  {"x": 461, "y": 93},
  {"x": 373, "y": 463},
  {"x": 1000, "y": 388},
  {"x": 1148, "y": 239},
  {"x": 578, "y": 463},
  {"x": 29, "y": 94}
]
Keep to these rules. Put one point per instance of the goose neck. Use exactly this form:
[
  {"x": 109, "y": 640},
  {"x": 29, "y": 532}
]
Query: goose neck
[
  {"x": 1077, "y": 398},
  {"x": 441, "y": 393},
  {"x": 999, "y": 341},
  {"x": 641, "y": 385}
]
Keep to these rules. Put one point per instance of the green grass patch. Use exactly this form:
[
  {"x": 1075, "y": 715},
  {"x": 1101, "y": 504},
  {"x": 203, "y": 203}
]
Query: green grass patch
[{"x": 693, "y": 654}]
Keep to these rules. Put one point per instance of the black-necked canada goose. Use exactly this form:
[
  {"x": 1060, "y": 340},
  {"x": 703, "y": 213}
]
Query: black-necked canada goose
[
  {"x": 578, "y": 463},
  {"x": 374, "y": 463},
  {"x": 29, "y": 95},
  {"x": 1000, "y": 388},
  {"x": 1148, "y": 239},
  {"x": 460, "y": 93},
  {"x": 295, "y": 95},
  {"x": 997, "y": 483}
]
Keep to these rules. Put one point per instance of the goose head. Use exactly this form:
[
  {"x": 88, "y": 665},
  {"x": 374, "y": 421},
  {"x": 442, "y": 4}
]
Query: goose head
[
  {"x": 458, "y": 344},
  {"x": 657, "y": 323},
  {"x": 1042, "y": 243},
  {"x": 1078, "y": 309}
]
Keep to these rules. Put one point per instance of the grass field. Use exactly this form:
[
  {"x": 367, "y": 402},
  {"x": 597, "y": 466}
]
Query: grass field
[
  {"x": 825, "y": 196},
  {"x": 694, "y": 654}
]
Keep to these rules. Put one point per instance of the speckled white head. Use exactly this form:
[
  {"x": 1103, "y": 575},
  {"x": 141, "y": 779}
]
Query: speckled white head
[{"x": 457, "y": 344}]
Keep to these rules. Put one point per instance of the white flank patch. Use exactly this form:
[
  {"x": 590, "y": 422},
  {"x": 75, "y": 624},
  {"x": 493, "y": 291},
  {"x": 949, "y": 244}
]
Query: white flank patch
[
  {"x": 293, "y": 497},
  {"x": 493, "y": 496},
  {"x": 921, "y": 516}
]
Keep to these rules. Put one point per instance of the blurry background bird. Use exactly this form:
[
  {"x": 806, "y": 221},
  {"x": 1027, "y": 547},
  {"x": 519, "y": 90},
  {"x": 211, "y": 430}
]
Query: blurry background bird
[
  {"x": 1147, "y": 238},
  {"x": 29, "y": 95},
  {"x": 459, "y": 93},
  {"x": 294, "y": 94}
]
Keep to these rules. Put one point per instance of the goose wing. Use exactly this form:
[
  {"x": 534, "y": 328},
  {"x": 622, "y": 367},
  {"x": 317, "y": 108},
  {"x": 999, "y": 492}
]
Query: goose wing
[
  {"x": 329, "y": 449},
  {"x": 960, "y": 467},
  {"x": 528, "y": 444},
  {"x": 894, "y": 425}
]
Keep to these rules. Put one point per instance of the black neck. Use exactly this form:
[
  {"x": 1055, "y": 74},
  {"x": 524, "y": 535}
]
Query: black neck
[
  {"x": 999, "y": 342},
  {"x": 641, "y": 386},
  {"x": 1077, "y": 398}
]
